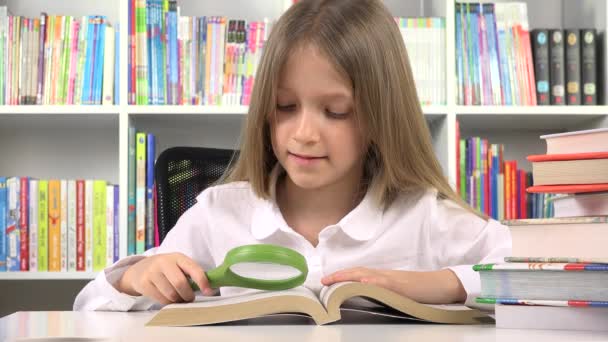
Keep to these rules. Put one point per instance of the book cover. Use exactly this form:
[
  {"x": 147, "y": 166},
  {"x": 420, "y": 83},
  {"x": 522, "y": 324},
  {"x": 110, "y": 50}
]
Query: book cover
[
  {"x": 567, "y": 189},
  {"x": 43, "y": 225},
  {"x": 573, "y": 67},
  {"x": 89, "y": 216},
  {"x": 557, "y": 73},
  {"x": 589, "y": 66},
  {"x": 540, "y": 49},
  {"x": 109, "y": 225},
  {"x": 12, "y": 225},
  {"x": 331, "y": 305},
  {"x": 33, "y": 225},
  {"x": 150, "y": 158},
  {"x": 80, "y": 226},
  {"x": 131, "y": 193},
  {"x": 63, "y": 203},
  {"x": 99, "y": 225},
  {"x": 140, "y": 195},
  {"x": 71, "y": 226},
  {"x": 54, "y": 226},
  {"x": 24, "y": 208},
  {"x": 3, "y": 221},
  {"x": 590, "y": 318}
]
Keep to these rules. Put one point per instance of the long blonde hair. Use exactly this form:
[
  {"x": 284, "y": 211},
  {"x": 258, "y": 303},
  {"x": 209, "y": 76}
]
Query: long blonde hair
[{"x": 361, "y": 39}]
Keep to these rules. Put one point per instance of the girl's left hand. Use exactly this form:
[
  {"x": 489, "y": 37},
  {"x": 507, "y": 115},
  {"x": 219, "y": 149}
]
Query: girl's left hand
[{"x": 432, "y": 287}]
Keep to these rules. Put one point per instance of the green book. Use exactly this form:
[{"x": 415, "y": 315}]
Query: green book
[
  {"x": 43, "y": 226},
  {"x": 99, "y": 225}
]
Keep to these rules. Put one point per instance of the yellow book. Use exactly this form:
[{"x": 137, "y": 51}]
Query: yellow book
[
  {"x": 344, "y": 302},
  {"x": 99, "y": 225},
  {"x": 43, "y": 225},
  {"x": 54, "y": 225}
]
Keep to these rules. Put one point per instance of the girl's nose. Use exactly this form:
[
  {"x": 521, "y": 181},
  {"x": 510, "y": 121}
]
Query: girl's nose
[{"x": 307, "y": 129}]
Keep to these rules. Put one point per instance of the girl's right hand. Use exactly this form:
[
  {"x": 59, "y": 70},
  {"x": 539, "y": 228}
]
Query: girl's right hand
[{"x": 163, "y": 277}]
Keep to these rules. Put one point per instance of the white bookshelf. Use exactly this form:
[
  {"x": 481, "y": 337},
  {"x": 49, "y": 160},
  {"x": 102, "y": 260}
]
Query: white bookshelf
[
  {"x": 47, "y": 275},
  {"x": 91, "y": 141}
]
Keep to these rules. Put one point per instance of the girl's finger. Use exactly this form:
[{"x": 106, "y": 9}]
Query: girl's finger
[
  {"x": 163, "y": 285},
  {"x": 149, "y": 290},
  {"x": 179, "y": 282}
]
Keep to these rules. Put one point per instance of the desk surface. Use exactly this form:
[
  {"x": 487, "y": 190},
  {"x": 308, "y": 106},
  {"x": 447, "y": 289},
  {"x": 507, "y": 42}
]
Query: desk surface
[{"x": 121, "y": 326}]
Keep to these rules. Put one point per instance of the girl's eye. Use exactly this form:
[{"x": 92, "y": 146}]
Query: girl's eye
[
  {"x": 336, "y": 115},
  {"x": 286, "y": 108}
]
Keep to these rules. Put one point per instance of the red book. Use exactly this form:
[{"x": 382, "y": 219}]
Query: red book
[
  {"x": 80, "y": 238},
  {"x": 568, "y": 189},
  {"x": 514, "y": 188},
  {"x": 539, "y": 158},
  {"x": 24, "y": 250},
  {"x": 523, "y": 203}
]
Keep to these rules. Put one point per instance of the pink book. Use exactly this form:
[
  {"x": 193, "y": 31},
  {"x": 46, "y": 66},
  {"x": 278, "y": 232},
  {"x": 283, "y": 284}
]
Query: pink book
[{"x": 73, "y": 61}]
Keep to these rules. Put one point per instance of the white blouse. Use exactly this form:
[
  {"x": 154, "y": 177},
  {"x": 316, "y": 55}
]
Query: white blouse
[{"x": 417, "y": 232}]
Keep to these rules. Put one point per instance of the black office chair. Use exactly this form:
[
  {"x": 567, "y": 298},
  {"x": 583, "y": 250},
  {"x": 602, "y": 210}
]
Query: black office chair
[{"x": 181, "y": 173}]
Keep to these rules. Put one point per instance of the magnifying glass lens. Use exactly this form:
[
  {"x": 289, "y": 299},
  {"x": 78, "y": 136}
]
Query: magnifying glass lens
[{"x": 264, "y": 270}]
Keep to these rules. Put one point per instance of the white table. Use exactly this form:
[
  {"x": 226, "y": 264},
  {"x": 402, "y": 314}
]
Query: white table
[{"x": 130, "y": 326}]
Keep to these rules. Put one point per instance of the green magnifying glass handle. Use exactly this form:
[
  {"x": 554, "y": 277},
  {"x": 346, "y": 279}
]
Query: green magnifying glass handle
[{"x": 258, "y": 253}]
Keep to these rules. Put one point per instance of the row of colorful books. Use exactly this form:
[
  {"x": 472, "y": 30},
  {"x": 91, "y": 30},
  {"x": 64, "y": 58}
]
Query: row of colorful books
[
  {"x": 176, "y": 59},
  {"x": 142, "y": 228},
  {"x": 500, "y": 62},
  {"x": 426, "y": 47},
  {"x": 57, "y": 60},
  {"x": 494, "y": 186},
  {"x": 58, "y": 225}
]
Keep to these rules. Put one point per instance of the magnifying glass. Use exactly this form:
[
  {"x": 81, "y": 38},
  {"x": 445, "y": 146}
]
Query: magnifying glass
[{"x": 259, "y": 266}]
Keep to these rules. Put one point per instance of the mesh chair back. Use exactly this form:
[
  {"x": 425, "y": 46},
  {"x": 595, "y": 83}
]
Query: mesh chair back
[{"x": 181, "y": 173}]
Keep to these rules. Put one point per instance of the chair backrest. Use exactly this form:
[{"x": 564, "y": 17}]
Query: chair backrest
[{"x": 181, "y": 173}]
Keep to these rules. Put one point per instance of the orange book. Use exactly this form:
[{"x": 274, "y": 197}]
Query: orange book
[
  {"x": 508, "y": 190},
  {"x": 539, "y": 158},
  {"x": 55, "y": 225},
  {"x": 513, "y": 188},
  {"x": 568, "y": 189}
]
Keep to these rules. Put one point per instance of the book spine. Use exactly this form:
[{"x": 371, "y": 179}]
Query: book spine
[
  {"x": 589, "y": 66},
  {"x": 99, "y": 225},
  {"x": 88, "y": 223},
  {"x": 54, "y": 225},
  {"x": 33, "y": 225},
  {"x": 24, "y": 250},
  {"x": 109, "y": 225},
  {"x": 556, "y": 67},
  {"x": 12, "y": 225},
  {"x": 43, "y": 225},
  {"x": 80, "y": 226},
  {"x": 108, "y": 66},
  {"x": 150, "y": 157},
  {"x": 140, "y": 207},
  {"x": 540, "y": 43},
  {"x": 72, "y": 239},
  {"x": 41, "y": 64},
  {"x": 131, "y": 194},
  {"x": 64, "y": 225},
  {"x": 116, "y": 224},
  {"x": 573, "y": 67},
  {"x": 3, "y": 220}
]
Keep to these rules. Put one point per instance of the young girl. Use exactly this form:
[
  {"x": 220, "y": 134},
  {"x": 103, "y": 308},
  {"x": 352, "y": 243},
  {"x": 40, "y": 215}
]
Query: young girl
[{"x": 337, "y": 164}]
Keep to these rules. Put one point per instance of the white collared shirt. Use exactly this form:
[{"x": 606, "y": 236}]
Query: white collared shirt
[{"x": 417, "y": 232}]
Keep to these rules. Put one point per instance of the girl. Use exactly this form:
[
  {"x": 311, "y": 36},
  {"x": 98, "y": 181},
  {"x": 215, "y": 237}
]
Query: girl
[{"x": 336, "y": 163}]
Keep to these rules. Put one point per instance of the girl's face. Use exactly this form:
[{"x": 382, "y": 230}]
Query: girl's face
[{"x": 315, "y": 136}]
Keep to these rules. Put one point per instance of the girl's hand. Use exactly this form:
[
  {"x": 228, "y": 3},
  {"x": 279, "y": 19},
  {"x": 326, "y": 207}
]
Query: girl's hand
[
  {"x": 162, "y": 277},
  {"x": 434, "y": 287}
]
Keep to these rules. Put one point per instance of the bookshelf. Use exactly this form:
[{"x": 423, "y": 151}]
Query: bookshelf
[{"x": 92, "y": 141}]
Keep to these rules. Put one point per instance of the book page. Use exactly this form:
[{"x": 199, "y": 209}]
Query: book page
[{"x": 251, "y": 295}]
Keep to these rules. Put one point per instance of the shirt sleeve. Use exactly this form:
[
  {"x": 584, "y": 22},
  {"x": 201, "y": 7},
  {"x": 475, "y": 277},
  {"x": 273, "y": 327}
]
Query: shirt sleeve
[
  {"x": 465, "y": 239},
  {"x": 188, "y": 236}
]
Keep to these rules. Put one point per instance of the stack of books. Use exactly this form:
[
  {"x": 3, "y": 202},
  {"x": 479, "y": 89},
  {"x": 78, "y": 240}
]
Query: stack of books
[
  {"x": 575, "y": 165},
  {"x": 547, "y": 293}
]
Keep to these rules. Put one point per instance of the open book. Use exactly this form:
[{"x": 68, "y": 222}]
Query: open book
[{"x": 333, "y": 301}]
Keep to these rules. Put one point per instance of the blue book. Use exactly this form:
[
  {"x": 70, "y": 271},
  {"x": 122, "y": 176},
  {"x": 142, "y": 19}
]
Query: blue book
[
  {"x": 173, "y": 63},
  {"x": 98, "y": 80},
  {"x": 3, "y": 220},
  {"x": 150, "y": 158},
  {"x": 87, "y": 75}
]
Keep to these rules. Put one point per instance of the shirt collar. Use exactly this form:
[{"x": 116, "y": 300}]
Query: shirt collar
[{"x": 361, "y": 224}]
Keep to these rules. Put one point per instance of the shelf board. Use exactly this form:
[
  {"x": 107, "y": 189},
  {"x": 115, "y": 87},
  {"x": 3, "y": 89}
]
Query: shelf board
[
  {"x": 67, "y": 109},
  {"x": 227, "y": 110},
  {"x": 536, "y": 110},
  {"x": 26, "y": 275}
]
